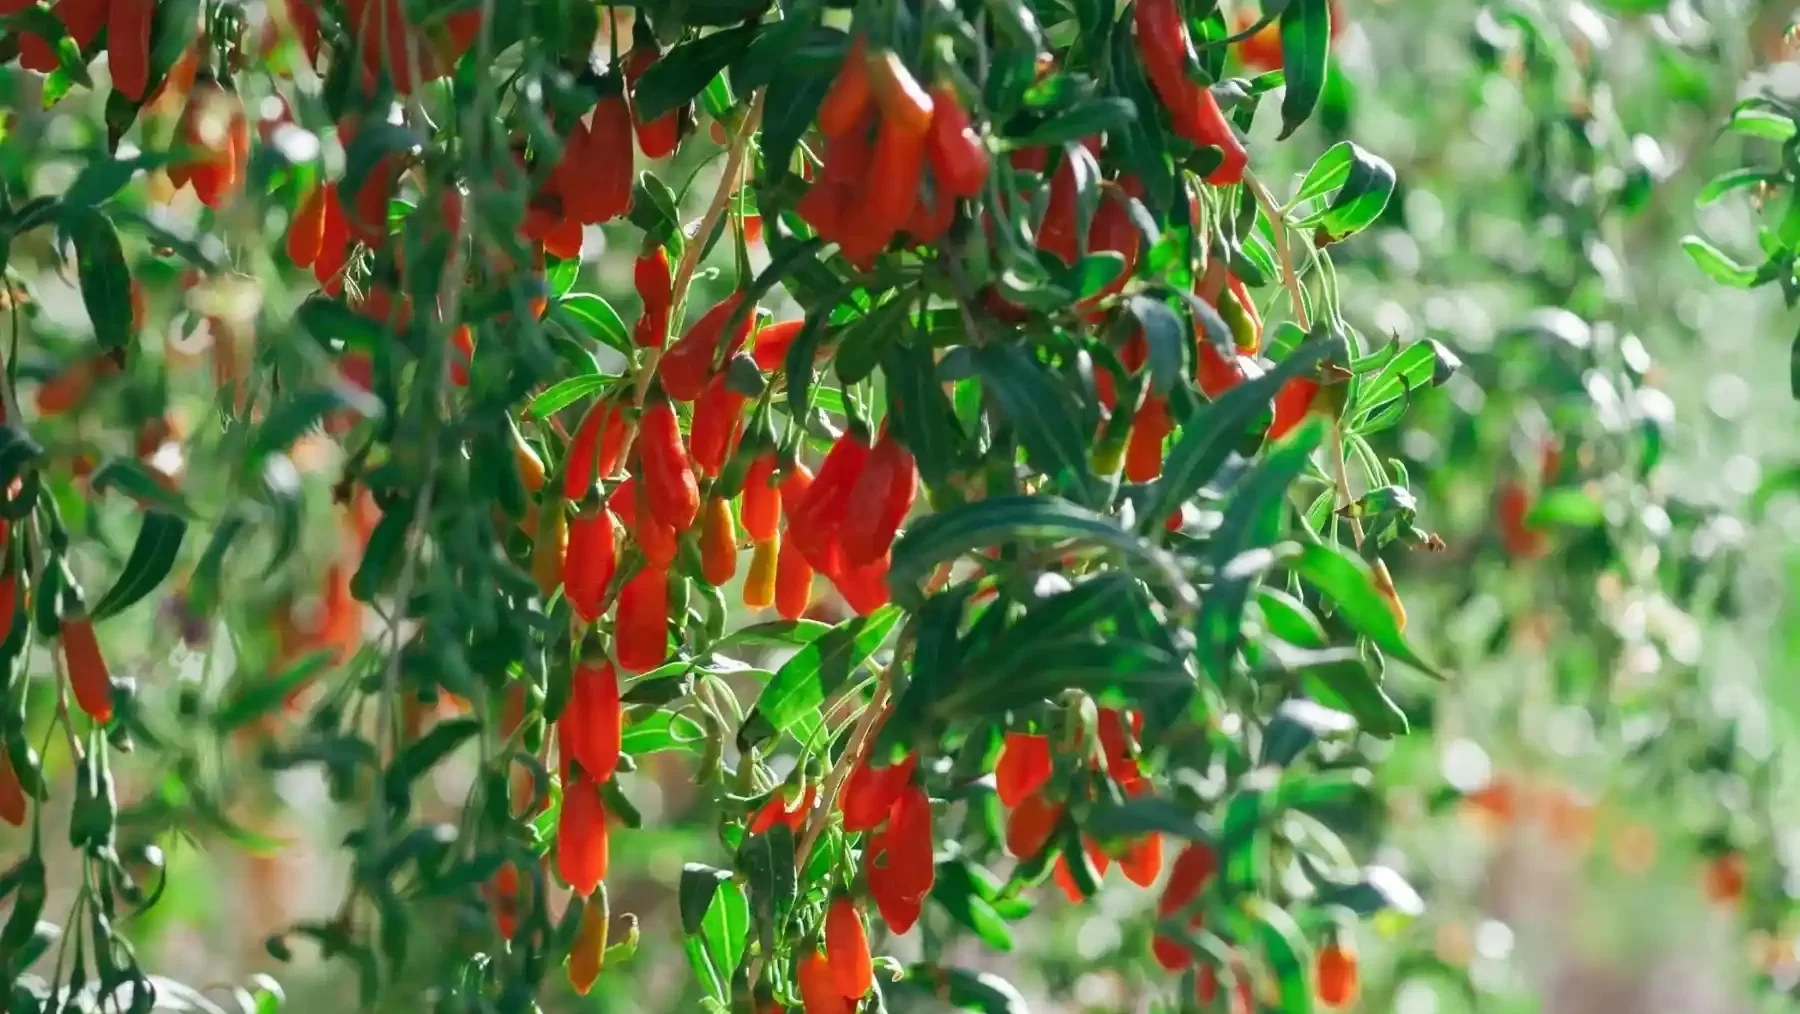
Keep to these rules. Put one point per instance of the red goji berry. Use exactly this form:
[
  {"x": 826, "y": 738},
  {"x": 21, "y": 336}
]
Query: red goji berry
[
  {"x": 772, "y": 343},
  {"x": 931, "y": 219},
  {"x": 717, "y": 413},
  {"x": 594, "y": 450},
  {"x": 870, "y": 792},
  {"x": 1193, "y": 868},
  {"x": 1214, "y": 371},
  {"x": 847, "y": 948},
  {"x": 334, "y": 243},
  {"x": 589, "y": 561},
  {"x": 462, "y": 354},
  {"x": 660, "y": 137},
  {"x": 1292, "y": 403},
  {"x": 817, "y": 984},
  {"x": 910, "y": 843},
  {"x": 815, "y": 523},
  {"x": 899, "y": 908},
  {"x": 592, "y": 721},
  {"x": 641, "y": 626},
  {"x": 657, "y": 540},
  {"x": 306, "y": 234},
  {"x": 87, "y": 672},
  {"x": 1144, "y": 453},
  {"x": 668, "y": 476},
  {"x": 83, "y": 19},
  {"x": 778, "y": 811},
  {"x": 688, "y": 364},
  {"x": 1512, "y": 505},
  {"x": 1023, "y": 767},
  {"x": 503, "y": 897},
  {"x": 1030, "y": 825},
  {"x": 879, "y": 500},
  {"x": 865, "y": 588},
  {"x": 595, "y": 173},
  {"x": 651, "y": 275},
  {"x": 959, "y": 161},
  {"x": 367, "y": 213},
  {"x": 12, "y": 793},
  {"x": 849, "y": 96},
  {"x": 581, "y": 833},
  {"x": 760, "y": 508},
  {"x": 128, "y": 45},
  {"x": 1121, "y": 766},
  {"x": 1065, "y": 878},
  {"x": 1143, "y": 860}
]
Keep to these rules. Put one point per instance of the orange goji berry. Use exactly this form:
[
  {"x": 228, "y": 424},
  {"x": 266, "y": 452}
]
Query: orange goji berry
[
  {"x": 1724, "y": 878},
  {"x": 793, "y": 581},
  {"x": 462, "y": 354},
  {"x": 1335, "y": 975},
  {"x": 760, "y": 508},
  {"x": 306, "y": 234},
  {"x": 718, "y": 542},
  {"x": 1512, "y": 505},
  {"x": 847, "y": 949},
  {"x": 581, "y": 849},
  {"x": 587, "y": 955},
  {"x": 760, "y": 582},
  {"x": 641, "y": 626},
  {"x": 1023, "y": 767}
]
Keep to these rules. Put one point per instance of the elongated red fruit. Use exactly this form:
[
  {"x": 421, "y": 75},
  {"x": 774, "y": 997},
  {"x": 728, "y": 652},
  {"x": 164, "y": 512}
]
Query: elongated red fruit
[
  {"x": 815, "y": 524},
  {"x": 869, "y": 793},
  {"x": 87, "y": 672},
  {"x": 591, "y": 718},
  {"x": 1143, "y": 860},
  {"x": 910, "y": 843},
  {"x": 772, "y": 344},
  {"x": 793, "y": 581},
  {"x": 847, "y": 947},
  {"x": 13, "y": 807},
  {"x": 1023, "y": 767},
  {"x": 817, "y": 983},
  {"x": 760, "y": 508},
  {"x": 660, "y": 137},
  {"x": 589, "y": 561},
  {"x": 668, "y": 476},
  {"x": 959, "y": 162},
  {"x": 688, "y": 364},
  {"x": 879, "y": 500},
  {"x": 641, "y": 626},
  {"x": 581, "y": 844},
  {"x": 594, "y": 450},
  {"x": 1292, "y": 403},
  {"x": 651, "y": 275},
  {"x": 1030, "y": 825},
  {"x": 850, "y": 95},
  {"x": 128, "y": 45},
  {"x": 716, "y": 416}
]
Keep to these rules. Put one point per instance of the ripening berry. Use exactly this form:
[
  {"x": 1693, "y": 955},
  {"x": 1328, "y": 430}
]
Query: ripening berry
[
  {"x": 87, "y": 671},
  {"x": 1030, "y": 825},
  {"x": 1335, "y": 975},
  {"x": 819, "y": 993},
  {"x": 1023, "y": 767},
  {"x": 581, "y": 852},
  {"x": 588, "y": 953},
  {"x": 869, "y": 793},
  {"x": 847, "y": 948}
]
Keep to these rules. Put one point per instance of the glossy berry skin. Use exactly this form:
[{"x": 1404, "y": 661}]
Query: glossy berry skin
[
  {"x": 641, "y": 623},
  {"x": 817, "y": 984},
  {"x": 668, "y": 476},
  {"x": 1029, "y": 827},
  {"x": 651, "y": 276},
  {"x": 1292, "y": 403},
  {"x": 879, "y": 501},
  {"x": 660, "y": 137},
  {"x": 688, "y": 364},
  {"x": 870, "y": 792},
  {"x": 793, "y": 581},
  {"x": 760, "y": 507},
  {"x": 847, "y": 948},
  {"x": 718, "y": 542},
  {"x": 1335, "y": 975},
  {"x": 594, "y": 450},
  {"x": 581, "y": 837},
  {"x": 1023, "y": 767},
  {"x": 959, "y": 161},
  {"x": 850, "y": 96},
  {"x": 592, "y": 721},
  {"x": 87, "y": 671}
]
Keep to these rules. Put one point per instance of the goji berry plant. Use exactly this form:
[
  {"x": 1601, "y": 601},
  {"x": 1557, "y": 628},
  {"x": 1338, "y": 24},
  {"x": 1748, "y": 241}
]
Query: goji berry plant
[{"x": 982, "y": 474}]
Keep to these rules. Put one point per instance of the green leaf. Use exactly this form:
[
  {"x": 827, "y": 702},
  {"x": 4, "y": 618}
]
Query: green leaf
[
  {"x": 1288, "y": 618},
  {"x": 1339, "y": 679},
  {"x": 1717, "y": 264},
  {"x": 1421, "y": 364},
  {"x": 1209, "y": 437},
  {"x": 1089, "y": 116},
  {"x": 335, "y": 326},
  {"x": 1043, "y": 414},
  {"x": 1286, "y": 952},
  {"x": 945, "y": 535},
  {"x": 961, "y": 895},
  {"x": 374, "y": 142},
  {"x": 105, "y": 280},
  {"x": 596, "y": 318},
  {"x": 138, "y": 481},
  {"x": 103, "y": 177},
  {"x": 427, "y": 751},
  {"x": 922, "y": 412},
  {"x": 1735, "y": 179},
  {"x": 959, "y": 987},
  {"x": 1763, "y": 123},
  {"x": 564, "y": 393},
  {"x": 683, "y": 72},
  {"x": 1348, "y": 581},
  {"x": 1305, "y": 55},
  {"x": 1367, "y": 188},
  {"x": 775, "y": 634},
  {"x": 700, "y": 883},
  {"x": 660, "y": 731},
  {"x": 790, "y": 104},
  {"x": 804, "y": 681},
  {"x": 303, "y": 410},
  {"x": 1569, "y": 506},
  {"x": 253, "y": 697},
  {"x": 1144, "y": 815},
  {"x": 153, "y": 555},
  {"x": 1165, "y": 338}
]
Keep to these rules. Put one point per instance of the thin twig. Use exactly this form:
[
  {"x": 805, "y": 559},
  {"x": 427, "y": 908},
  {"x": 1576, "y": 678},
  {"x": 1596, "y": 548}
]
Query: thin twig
[{"x": 1279, "y": 226}]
